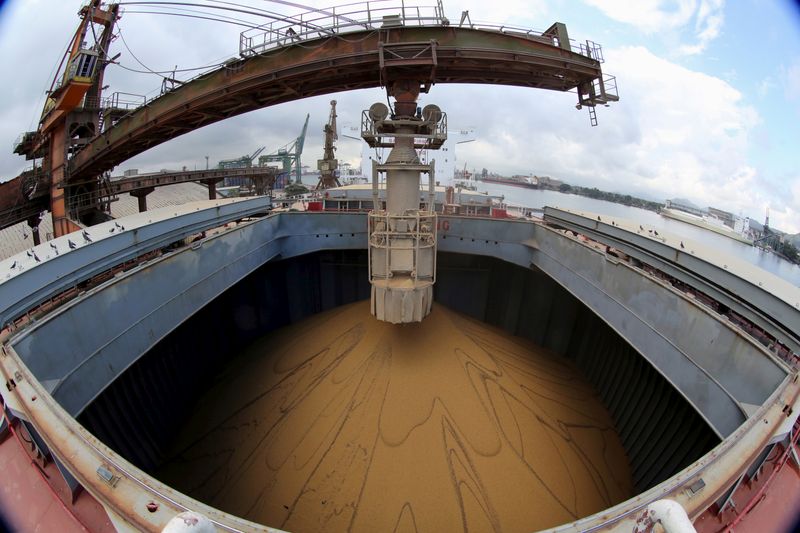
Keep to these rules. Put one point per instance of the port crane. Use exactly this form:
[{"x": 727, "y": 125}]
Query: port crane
[
  {"x": 71, "y": 117},
  {"x": 289, "y": 155},
  {"x": 328, "y": 166},
  {"x": 246, "y": 161}
]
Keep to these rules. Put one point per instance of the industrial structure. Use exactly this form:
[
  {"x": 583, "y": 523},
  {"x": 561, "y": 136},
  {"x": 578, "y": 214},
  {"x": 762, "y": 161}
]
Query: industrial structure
[
  {"x": 402, "y": 236},
  {"x": 289, "y": 156},
  {"x": 693, "y": 355},
  {"x": 328, "y": 166},
  {"x": 71, "y": 117},
  {"x": 246, "y": 161}
]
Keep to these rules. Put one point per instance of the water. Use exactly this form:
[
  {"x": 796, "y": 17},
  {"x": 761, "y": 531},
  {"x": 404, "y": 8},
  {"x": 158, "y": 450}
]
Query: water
[{"x": 540, "y": 198}]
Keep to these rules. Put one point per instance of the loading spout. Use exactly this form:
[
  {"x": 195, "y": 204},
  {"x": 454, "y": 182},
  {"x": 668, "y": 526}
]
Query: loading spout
[{"x": 402, "y": 226}]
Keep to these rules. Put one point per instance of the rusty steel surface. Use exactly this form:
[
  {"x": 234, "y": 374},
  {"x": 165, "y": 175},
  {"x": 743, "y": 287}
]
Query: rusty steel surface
[
  {"x": 133, "y": 500},
  {"x": 147, "y": 181},
  {"x": 339, "y": 63},
  {"x": 701, "y": 484},
  {"x": 130, "y": 493},
  {"x": 15, "y": 205}
]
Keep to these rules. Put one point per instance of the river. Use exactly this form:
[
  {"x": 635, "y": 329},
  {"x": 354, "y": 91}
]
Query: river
[{"x": 540, "y": 198}]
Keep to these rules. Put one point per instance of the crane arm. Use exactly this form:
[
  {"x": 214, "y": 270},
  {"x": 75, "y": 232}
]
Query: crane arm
[
  {"x": 257, "y": 152},
  {"x": 302, "y": 139},
  {"x": 298, "y": 150}
]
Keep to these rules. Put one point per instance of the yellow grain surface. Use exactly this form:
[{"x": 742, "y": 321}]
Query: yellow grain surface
[{"x": 344, "y": 423}]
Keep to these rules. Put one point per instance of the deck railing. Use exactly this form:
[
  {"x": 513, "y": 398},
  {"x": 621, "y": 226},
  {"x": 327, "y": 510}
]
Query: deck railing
[{"x": 325, "y": 22}]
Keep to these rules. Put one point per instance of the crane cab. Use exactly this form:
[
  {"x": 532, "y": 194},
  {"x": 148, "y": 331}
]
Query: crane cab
[
  {"x": 73, "y": 87},
  {"x": 77, "y": 78}
]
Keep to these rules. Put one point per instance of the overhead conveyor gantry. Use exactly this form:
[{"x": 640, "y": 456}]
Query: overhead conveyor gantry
[
  {"x": 316, "y": 56},
  {"x": 369, "y": 58}
]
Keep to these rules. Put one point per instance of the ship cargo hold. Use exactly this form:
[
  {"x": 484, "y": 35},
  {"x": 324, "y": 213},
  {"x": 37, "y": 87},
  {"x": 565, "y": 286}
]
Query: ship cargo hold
[
  {"x": 110, "y": 346},
  {"x": 230, "y": 365}
]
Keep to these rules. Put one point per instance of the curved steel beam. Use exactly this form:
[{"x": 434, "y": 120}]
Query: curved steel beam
[{"x": 435, "y": 54}]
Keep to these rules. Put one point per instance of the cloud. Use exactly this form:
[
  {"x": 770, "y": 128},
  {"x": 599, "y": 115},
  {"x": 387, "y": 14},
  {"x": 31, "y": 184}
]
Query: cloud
[
  {"x": 657, "y": 16},
  {"x": 522, "y": 13},
  {"x": 674, "y": 132},
  {"x": 650, "y": 16},
  {"x": 694, "y": 130},
  {"x": 765, "y": 86},
  {"x": 790, "y": 77},
  {"x": 23, "y": 99},
  {"x": 708, "y": 24}
]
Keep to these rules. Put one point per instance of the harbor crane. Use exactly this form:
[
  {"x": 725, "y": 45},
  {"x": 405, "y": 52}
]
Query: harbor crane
[
  {"x": 246, "y": 161},
  {"x": 289, "y": 155},
  {"x": 71, "y": 116},
  {"x": 328, "y": 166}
]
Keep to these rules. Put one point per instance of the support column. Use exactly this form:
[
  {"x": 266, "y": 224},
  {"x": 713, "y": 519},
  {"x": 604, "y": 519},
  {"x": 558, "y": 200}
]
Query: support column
[
  {"x": 141, "y": 195},
  {"x": 33, "y": 223},
  {"x": 212, "y": 189},
  {"x": 62, "y": 225}
]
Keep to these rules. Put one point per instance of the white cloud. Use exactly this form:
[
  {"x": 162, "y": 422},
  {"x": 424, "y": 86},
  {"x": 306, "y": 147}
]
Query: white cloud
[
  {"x": 648, "y": 15},
  {"x": 791, "y": 80},
  {"x": 656, "y": 16},
  {"x": 765, "y": 86},
  {"x": 674, "y": 132},
  {"x": 695, "y": 130},
  {"x": 523, "y": 13}
]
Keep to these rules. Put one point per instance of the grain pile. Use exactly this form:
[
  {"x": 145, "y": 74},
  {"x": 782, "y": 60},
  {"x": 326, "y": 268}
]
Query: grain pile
[{"x": 344, "y": 423}]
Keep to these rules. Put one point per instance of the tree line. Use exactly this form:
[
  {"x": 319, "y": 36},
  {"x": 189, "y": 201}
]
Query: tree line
[{"x": 597, "y": 194}]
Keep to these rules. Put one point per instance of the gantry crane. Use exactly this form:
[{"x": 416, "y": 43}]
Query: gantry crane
[
  {"x": 328, "y": 166},
  {"x": 246, "y": 161},
  {"x": 289, "y": 155},
  {"x": 71, "y": 116}
]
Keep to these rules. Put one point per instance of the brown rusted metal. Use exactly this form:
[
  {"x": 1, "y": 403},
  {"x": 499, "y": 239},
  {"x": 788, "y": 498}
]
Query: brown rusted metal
[
  {"x": 428, "y": 55},
  {"x": 324, "y": 66},
  {"x": 125, "y": 492},
  {"x": 131, "y": 184},
  {"x": 141, "y": 197}
]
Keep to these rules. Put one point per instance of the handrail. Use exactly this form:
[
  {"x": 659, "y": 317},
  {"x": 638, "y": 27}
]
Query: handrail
[{"x": 349, "y": 18}]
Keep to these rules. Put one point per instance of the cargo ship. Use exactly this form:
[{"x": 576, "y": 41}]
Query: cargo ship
[
  {"x": 711, "y": 223},
  {"x": 526, "y": 183},
  {"x": 390, "y": 358}
]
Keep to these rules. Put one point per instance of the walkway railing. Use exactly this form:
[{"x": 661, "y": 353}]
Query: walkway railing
[
  {"x": 375, "y": 15},
  {"x": 325, "y": 22}
]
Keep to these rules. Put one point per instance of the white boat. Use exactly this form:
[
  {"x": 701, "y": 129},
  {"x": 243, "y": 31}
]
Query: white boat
[{"x": 712, "y": 223}]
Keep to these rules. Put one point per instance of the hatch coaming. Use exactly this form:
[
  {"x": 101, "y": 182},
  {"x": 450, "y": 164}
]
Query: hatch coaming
[{"x": 295, "y": 234}]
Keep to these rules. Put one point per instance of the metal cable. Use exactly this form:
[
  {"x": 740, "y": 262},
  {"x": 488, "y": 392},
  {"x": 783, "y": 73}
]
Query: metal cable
[
  {"x": 214, "y": 19},
  {"x": 238, "y": 9},
  {"x": 159, "y": 73}
]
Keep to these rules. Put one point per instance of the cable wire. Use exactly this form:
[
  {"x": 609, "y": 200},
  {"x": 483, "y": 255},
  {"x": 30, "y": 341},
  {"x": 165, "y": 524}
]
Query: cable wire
[
  {"x": 259, "y": 13},
  {"x": 243, "y": 24},
  {"x": 207, "y": 15}
]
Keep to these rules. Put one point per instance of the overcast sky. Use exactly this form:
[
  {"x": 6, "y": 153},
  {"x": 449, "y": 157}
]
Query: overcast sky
[{"x": 709, "y": 96}]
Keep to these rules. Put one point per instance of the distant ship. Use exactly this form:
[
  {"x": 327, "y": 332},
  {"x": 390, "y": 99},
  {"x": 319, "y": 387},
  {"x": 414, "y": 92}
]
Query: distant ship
[
  {"x": 710, "y": 222},
  {"x": 526, "y": 183}
]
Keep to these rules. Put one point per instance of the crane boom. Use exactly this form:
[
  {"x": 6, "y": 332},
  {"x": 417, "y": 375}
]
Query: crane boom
[
  {"x": 288, "y": 155},
  {"x": 298, "y": 150},
  {"x": 328, "y": 165},
  {"x": 256, "y": 153}
]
